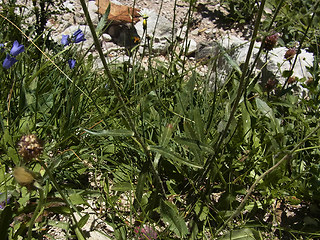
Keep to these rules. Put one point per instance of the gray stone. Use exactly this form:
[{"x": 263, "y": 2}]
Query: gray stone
[
  {"x": 159, "y": 29},
  {"x": 92, "y": 9},
  {"x": 190, "y": 45}
]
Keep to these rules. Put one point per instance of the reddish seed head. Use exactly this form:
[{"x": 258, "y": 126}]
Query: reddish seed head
[
  {"x": 271, "y": 41},
  {"x": 271, "y": 84}
]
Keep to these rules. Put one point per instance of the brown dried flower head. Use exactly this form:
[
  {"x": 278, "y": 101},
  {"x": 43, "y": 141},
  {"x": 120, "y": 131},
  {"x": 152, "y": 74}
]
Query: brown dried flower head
[
  {"x": 290, "y": 53},
  {"x": 291, "y": 80},
  {"x": 30, "y": 147},
  {"x": 271, "y": 84},
  {"x": 271, "y": 41}
]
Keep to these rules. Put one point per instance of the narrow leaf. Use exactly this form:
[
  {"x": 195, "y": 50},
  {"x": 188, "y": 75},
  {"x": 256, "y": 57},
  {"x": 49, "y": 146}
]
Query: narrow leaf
[
  {"x": 194, "y": 144},
  {"x": 169, "y": 213},
  {"x": 241, "y": 234},
  {"x": 83, "y": 220},
  {"x": 173, "y": 156},
  {"x": 114, "y": 133},
  {"x": 103, "y": 21}
]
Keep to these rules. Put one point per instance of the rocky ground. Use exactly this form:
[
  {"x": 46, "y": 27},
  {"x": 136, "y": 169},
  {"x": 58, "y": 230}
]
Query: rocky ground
[{"x": 207, "y": 29}]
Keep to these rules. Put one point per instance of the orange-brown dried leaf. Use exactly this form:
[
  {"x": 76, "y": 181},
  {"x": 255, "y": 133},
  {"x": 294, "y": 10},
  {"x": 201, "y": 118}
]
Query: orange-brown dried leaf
[{"x": 119, "y": 14}]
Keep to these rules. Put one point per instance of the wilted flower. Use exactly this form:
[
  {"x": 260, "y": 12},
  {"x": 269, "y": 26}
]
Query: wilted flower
[
  {"x": 145, "y": 233},
  {"x": 24, "y": 177},
  {"x": 271, "y": 41},
  {"x": 30, "y": 147},
  {"x": 271, "y": 84},
  {"x": 9, "y": 61},
  {"x": 72, "y": 63},
  {"x": 290, "y": 53},
  {"x": 78, "y": 36},
  {"x": 65, "y": 40},
  {"x": 16, "y": 48}
]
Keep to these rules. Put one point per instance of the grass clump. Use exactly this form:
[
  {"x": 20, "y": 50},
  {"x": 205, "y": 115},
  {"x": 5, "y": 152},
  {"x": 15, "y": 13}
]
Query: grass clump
[{"x": 156, "y": 151}]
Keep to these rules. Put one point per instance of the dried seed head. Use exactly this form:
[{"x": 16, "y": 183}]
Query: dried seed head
[
  {"x": 271, "y": 84},
  {"x": 290, "y": 53},
  {"x": 24, "y": 177},
  {"x": 30, "y": 147},
  {"x": 291, "y": 80},
  {"x": 271, "y": 41}
]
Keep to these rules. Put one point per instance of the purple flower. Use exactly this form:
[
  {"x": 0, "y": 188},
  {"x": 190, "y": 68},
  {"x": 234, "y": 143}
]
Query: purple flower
[
  {"x": 65, "y": 40},
  {"x": 9, "y": 61},
  {"x": 78, "y": 36},
  {"x": 16, "y": 48},
  {"x": 72, "y": 63},
  {"x": 145, "y": 233},
  {"x": 77, "y": 32},
  {"x": 1, "y": 47}
]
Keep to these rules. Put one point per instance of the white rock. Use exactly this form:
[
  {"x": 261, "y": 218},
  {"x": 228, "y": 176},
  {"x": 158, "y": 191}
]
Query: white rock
[
  {"x": 191, "y": 45},
  {"x": 163, "y": 34},
  {"x": 92, "y": 9},
  {"x": 237, "y": 49},
  {"x": 106, "y": 37}
]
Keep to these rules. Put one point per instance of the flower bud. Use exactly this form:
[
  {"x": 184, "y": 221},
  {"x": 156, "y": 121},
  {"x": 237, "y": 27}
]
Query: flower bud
[
  {"x": 290, "y": 53},
  {"x": 24, "y": 177}
]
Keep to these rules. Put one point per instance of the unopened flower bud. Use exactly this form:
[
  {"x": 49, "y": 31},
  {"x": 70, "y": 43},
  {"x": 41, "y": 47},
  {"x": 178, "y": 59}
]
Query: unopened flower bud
[
  {"x": 290, "y": 53},
  {"x": 24, "y": 177}
]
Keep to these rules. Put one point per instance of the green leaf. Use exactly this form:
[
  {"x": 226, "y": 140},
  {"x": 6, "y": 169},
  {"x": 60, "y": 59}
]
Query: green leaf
[
  {"x": 264, "y": 108},
  {"x": 114, "y": 133},
  {"x": 83, "y": 220},
  {"x": 287, "y": 73},
  {"x": 103, "y": 21},
  {"x": 233, "y": 63},
  {"x": 122, "y": 186},
  {"x": 246, "y": 122},
  {"x": 169, "y": 213},
  {"x": 173, "y": 156},
  {"x": 59, "y": 224},
  {"x": 241, "y": 234},
  {"x": 194, "y": 144},
  {"x": 77, "y": 199}
]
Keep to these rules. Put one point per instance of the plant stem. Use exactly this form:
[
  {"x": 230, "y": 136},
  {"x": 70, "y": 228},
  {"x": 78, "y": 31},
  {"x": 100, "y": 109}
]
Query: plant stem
[
  {"x": 70, "y": 205},
  {"x": 35, "y": 213},
  {"x": 127, "y": 116},
  {"x": 242, "y": 86}
]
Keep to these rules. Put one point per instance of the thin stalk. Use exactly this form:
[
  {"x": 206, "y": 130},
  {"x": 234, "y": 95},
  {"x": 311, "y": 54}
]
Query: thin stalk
[
  {"x": 35, "y": 213},
  {"x": 268, "y": 29},
  {"x": 70, "y": 205},
  {"x": 262, "y": 176},
  {"x": 127, "y": 116},
  {"x": 241, "y": 88}
]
